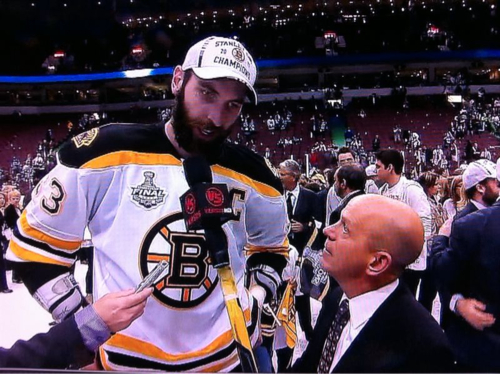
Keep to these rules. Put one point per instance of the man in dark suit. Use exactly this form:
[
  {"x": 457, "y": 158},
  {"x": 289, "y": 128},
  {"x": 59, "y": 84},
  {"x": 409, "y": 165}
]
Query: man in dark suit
[
  {"x": 302, "y": 209},
  {"x": 349, "y": 182},
  {"x": 468, "y": 269},
  {"x": 73, "y": 342},
  {"x": 481, "y": 189},
  {"x": 372, "y": 323}
]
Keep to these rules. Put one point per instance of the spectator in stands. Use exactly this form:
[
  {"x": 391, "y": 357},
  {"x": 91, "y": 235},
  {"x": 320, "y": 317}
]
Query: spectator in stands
[
  {"x": 397, "y": 134},
  {"x": 486, "y": 154},
  {"x": 376, "y": 144},
  {"x": 476, "y": 152},
  {"x": 348, "y": 135}
]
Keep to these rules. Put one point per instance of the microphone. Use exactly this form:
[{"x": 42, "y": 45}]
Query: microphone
[{"x": 207, "y": 206}]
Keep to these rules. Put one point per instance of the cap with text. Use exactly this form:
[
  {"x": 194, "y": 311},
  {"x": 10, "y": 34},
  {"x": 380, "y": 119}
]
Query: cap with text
[
  {"x": 217, "y": 57},
  {"x": 498, "y": 169},
  {"x": 478, "y": 171}
]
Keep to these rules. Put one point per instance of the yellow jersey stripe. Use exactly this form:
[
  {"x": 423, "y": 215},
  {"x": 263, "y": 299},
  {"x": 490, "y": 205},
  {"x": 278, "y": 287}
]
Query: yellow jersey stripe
[
  {"x": 30, "y": 256},
  {"x": 145, "y": 348},
  {"x": 260, "y": 187},
  {"x": 131, "y": 158},
  {"x": 40, "y": 236}
]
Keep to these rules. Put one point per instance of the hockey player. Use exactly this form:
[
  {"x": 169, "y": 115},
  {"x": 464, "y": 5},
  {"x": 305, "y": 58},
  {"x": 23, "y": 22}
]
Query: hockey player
[{"x": 124, "y": 181}]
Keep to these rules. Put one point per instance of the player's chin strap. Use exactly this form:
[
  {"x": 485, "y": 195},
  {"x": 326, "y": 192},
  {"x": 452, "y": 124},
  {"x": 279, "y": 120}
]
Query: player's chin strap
[{"x": 60, "y": 296}]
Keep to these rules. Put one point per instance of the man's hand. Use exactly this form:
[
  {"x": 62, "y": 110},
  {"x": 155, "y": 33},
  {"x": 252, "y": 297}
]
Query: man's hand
[
  {"x": 297, "y": 226},
  {"x": 119, "y": 309},
  {"x": 473, "y": 311},
  {"x": 445, "y": 230}
]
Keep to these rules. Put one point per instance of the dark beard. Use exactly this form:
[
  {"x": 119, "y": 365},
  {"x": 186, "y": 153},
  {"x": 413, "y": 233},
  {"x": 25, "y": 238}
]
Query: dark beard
[{"x": 183, "y": 127}]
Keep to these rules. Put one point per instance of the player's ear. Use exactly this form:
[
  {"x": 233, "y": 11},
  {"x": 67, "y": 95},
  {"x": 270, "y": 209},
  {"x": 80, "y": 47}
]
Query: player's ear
[{"x": 177, "y": 79}]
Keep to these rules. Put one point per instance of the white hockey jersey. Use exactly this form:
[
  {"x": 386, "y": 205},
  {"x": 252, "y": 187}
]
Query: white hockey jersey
[
  {"x": 412, "y": 194},
  {"x": 124, "y": 182}
]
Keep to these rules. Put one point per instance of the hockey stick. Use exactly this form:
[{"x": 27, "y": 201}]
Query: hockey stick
[{"x": 237, "y": 320}]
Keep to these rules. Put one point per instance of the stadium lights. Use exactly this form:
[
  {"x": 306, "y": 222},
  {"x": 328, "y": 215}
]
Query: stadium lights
[{"x": 139, "y": 73}]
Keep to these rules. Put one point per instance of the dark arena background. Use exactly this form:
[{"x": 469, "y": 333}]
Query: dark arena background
[{"x": 419, "y": 75}]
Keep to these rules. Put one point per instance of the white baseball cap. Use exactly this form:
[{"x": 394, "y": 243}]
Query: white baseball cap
[
  {"x": 477, "y": 172},
  {"x": 217, "y": 57},
  {"x": 371, "y": 171}
]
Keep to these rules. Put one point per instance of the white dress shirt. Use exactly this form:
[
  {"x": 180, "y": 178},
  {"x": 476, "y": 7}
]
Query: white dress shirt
[{"x": 361, "y": 309}]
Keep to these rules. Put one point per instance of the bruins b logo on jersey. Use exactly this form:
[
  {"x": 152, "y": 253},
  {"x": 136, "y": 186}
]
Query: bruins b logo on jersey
[
  {"x": 86, "y": 138},
  {"x": 190, "y": 279}
]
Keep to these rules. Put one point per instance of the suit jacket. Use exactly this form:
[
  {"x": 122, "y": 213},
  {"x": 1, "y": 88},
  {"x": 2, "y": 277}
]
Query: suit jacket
[
  {"x": 321, "y": 198},
  {"x": 440, "y": 243},
  {"x": 470, "y": 266},
  {"x": 401, "y": 336},
  {"x": 468, "y": 209},
  {"x": 59, "y": 348},
  {"x": 305, "y": 212},
  {"x": 335, "y": 216}
]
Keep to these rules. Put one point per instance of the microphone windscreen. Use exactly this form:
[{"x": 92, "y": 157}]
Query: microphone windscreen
[{"x": 197, "y": 170}]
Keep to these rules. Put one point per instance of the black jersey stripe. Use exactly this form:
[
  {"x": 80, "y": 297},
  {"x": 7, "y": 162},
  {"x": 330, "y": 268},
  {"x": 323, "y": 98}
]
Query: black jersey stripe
[{"x": 42, "y": 246}]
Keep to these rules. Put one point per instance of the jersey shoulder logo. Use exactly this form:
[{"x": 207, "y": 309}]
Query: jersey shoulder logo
[
  {"x": 147, "y": 194},
  {"x": 86, "y": 138},
  {"x": 272, "y": 168}
]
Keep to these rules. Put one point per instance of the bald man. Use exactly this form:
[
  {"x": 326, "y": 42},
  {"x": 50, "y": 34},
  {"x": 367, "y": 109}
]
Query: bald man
[{"x": 372, "y": 322}]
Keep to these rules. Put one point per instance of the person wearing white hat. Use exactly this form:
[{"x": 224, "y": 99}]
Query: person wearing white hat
[
  {"x": 210, "y": 88},
  {"x": 124, "y": 181},
  {"x": 480, "y": 184},
  {"x": 468, "y": 270},
  {"x": 481, "y": 188},
  {"x": 371, "y": 176}
]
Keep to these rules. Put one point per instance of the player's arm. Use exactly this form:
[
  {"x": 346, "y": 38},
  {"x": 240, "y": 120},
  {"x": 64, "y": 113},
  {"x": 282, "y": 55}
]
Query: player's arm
[{"x": 47, "y": 236}]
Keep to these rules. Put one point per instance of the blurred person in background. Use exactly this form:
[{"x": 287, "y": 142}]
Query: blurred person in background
[
  {"x": 457, "y": 200},
  {"x": 430, "y": 183},
  {"x": 4, "y": 288},
  {"x": 11, "y": 214}
]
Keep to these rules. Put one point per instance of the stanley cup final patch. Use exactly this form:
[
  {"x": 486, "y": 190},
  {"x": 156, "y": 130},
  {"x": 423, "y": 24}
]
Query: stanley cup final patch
[{"x": 147, "y": 194}]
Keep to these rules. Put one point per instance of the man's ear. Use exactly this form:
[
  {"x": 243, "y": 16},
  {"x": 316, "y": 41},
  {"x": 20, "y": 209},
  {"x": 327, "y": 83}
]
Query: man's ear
[
  {"x": 379, "y": 263},
  {"x": 480, "y": 188},
  {"x": 177, "y": 79}
]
